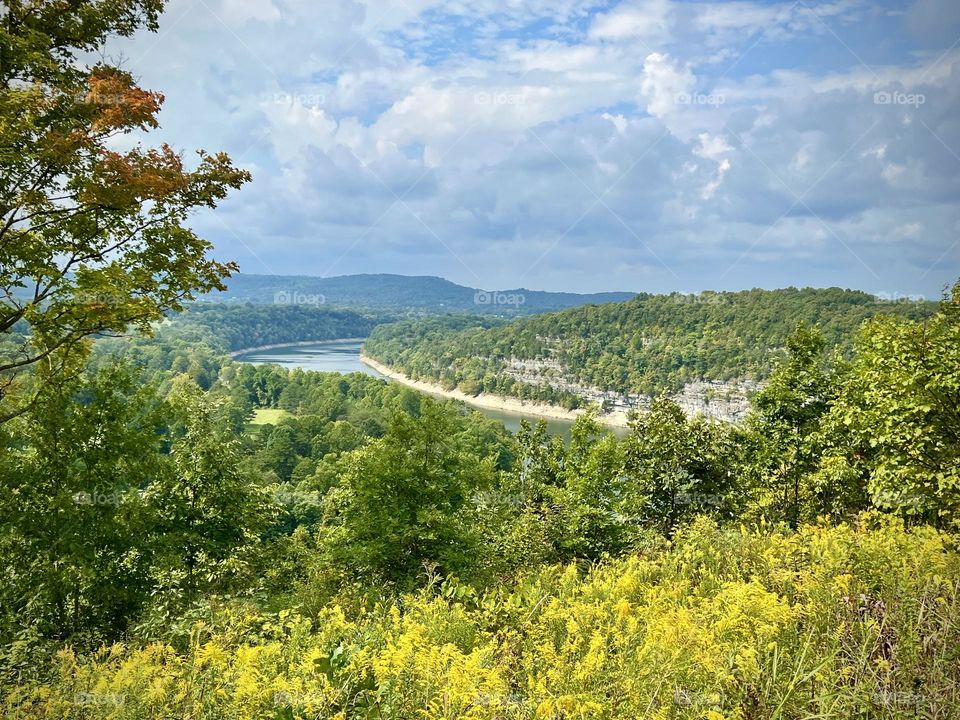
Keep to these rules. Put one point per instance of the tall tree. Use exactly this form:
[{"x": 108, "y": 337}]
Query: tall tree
[
  {"x": 75, "y": 543},
  {"x": 207, "y": 515},
  {"x": 92, "y": 240},
  {"x": 676, "y": 468},
  {"x": 901, "y": 409},
  {"x": 788, "y": 413},
  {"x": 406, "y": 500}
]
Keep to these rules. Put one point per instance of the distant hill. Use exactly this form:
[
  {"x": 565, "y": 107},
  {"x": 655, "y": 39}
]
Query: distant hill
[
  {"x": 400, "y": 292},
  {"x": 647, "y": 345}
]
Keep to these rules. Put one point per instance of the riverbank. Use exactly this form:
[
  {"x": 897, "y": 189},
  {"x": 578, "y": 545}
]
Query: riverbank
[
  {"x": 494, "y": 402},
  {"x": 301, "y": 343}
]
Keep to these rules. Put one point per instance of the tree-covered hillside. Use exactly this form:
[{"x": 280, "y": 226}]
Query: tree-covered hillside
[
  {"x": 376, "y": 553},
  {"x": 250, "y": 325},
  {"x": 650, "y": 344}
]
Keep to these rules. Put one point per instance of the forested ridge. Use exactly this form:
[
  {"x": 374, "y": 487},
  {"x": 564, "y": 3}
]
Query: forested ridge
[
  {"x": 251, "y": 325},
  {"x": 400, "y": 293},
  {"x": 649, "y": 345},
  {"x": 185, "y": 536}
]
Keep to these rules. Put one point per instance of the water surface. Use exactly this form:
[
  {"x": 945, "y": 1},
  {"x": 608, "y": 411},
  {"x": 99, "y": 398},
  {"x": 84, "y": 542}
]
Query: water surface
[{"x": 343, "y": 356}]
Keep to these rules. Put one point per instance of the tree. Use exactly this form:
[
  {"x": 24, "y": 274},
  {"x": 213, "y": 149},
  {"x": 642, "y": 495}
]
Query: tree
[
  {"x": 592, "y": 476},
  {"x": 900, "y": 408},
  {"x": 406, "y": 498},
  {"x": 75, "y": 544},
  {"x": 788, "y": 415},
  {"x": 91, "y": 240},
  {"x": 676, "y": 468},
  {"x": 207, "y": 515}
]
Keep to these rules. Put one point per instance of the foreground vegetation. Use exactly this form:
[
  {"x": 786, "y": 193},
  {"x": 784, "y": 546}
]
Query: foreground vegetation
[
  {"x": 847, "y": 621},
  {"x": 376, "y": 553}
]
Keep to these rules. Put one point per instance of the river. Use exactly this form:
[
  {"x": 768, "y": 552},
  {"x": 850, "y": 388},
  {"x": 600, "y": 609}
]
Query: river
[{"x": 343, "y": 356}]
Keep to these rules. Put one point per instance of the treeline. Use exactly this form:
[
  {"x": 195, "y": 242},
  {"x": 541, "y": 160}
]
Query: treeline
[
  {"x": 194, "y": 343},
  {"x": 401, "y": 294},
  {"x": 254, "y": 325},
  {"x": 651, "y": 344}
]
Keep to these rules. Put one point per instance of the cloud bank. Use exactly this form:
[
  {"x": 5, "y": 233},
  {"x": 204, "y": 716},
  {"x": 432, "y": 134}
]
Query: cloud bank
[{"x": 567, "y": 145}]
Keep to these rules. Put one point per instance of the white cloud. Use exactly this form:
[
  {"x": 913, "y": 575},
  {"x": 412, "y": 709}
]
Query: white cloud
[
  {"x": 738, "y": 16},
  {"x": 664, "y": 81},
  {"x": 910, "y": 231},
  {"x": 619, "y": 121},
  {"x": 712, "y": 147},
  {"x": 646, "y": 19}
]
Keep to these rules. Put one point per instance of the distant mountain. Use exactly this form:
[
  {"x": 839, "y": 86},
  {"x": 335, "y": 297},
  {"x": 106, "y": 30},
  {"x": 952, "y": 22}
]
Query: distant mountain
[{"x": 400, "y": 292}]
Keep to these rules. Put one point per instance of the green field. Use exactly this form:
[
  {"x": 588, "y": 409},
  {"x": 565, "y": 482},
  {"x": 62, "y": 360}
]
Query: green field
[{"x": 268, "y": 416}]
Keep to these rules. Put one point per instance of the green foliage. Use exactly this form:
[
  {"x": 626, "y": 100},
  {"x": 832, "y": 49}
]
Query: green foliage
[
  {"x": 404, "y": 501},
  {"x": 788, "y": 414},
  {"x": 207, "y": 515},
  {"x": 115, "y": 502},
  {"x": 677, "y": 469},
  {"x": 247, "y": 326},
  {"x": 897, "y": 418},
  {"x": 375, "y": 553},
  {"x": 651, "y": 344},
  {"x": 91, "y": 240},
  {"x": 856, "y": 620},
  {"x": 72, "y": 516}
]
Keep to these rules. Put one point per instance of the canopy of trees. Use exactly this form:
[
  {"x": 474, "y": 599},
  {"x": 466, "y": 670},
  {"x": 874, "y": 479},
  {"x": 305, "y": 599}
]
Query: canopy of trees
[{"x": 650, "y": 345}]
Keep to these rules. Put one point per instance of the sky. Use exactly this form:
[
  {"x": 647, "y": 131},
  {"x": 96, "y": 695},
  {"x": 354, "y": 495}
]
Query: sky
[{"x": 567, "y": 145}]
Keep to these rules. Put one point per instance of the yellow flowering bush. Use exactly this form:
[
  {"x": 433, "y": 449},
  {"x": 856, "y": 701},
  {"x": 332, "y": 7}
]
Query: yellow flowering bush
[{"x": 852, "y": 620}]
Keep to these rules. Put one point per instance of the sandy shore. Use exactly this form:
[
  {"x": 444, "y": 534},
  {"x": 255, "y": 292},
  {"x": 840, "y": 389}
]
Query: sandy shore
[
  {"x": 277, "y": 346},
  {"x": 494, "y": 402}
]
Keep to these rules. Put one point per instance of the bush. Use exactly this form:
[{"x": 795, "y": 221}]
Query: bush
[{"x": 855, "y": 620}]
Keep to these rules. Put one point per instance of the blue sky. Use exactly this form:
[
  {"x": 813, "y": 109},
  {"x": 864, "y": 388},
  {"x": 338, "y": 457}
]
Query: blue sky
[{"x": 652, "y": 145}]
